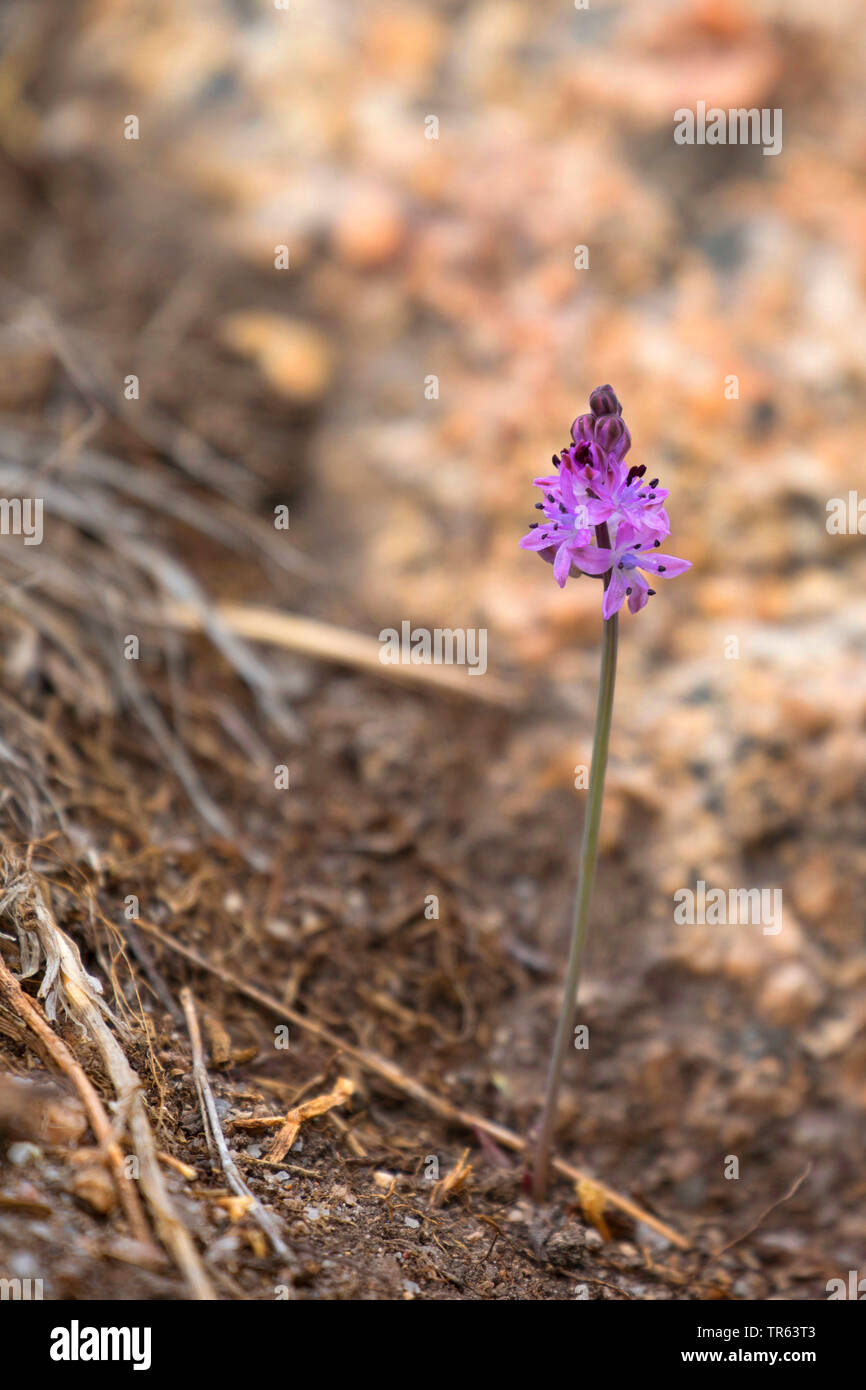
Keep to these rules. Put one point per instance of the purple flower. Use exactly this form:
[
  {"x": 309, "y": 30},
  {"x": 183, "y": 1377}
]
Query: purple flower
[
  {"x": 625, "y": 560},
  {"x": 623, "y": 495},
  {"x": 566, "y": 524},
  {"x": 594, "y": 495}
]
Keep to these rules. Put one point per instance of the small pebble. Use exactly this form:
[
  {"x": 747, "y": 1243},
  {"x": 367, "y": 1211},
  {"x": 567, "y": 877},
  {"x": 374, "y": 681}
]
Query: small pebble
[{"x": 23, "y": 1153}]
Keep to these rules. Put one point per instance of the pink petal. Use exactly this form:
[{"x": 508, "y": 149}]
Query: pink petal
[
  {"x": 534, "y": 541},
  {"x": 613, "y": 595},
  {"x": 592, "y": 559},
  {"x": 626, "y": 536},
  {"x": 669, "y": 566},
  {"x": 562, "y": 564},
  {"x": 639, "y": 592}
]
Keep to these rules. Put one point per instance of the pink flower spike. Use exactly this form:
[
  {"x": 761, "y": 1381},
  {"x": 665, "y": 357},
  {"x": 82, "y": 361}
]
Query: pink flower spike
[{"x": 594, "y": 499}]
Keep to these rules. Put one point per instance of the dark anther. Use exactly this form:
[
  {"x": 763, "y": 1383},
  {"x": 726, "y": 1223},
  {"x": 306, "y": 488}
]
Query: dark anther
[
  {"x": 650, "y": 592},
  {"x": 656, "y": 543},
  {"x": 662, "y": 569},
  {"x": 533, "y": 525},
  {"x": 654, "y": 482},
  {"x": 539, "y": 506}
]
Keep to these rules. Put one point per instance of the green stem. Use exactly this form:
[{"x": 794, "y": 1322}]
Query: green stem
[{"x": 580, "y": 926}]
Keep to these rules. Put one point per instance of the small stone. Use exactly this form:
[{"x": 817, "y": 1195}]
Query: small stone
[
  {"x": 790, "y": 994},
  {"x": 814, "y": 885},
  {"x": 95, "y": 1188},
  {"x": 565, "y": 1248},
  {"x": 23, "y": 1265},
  {"x": 294, "y": 357},
  {"x": 629, "y": 1255},
  {"x": 370, "y": 229},
  {"x": 384, "y": 1179},
  {"x": 24, "y": 1153}
]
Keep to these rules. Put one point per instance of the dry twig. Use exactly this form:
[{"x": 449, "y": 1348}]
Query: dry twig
[
  {"x": 307, "y": 1110},
  {"x": 338, "y": 645},
  {"x": 66, "y": 984},
  {"x": 14, "y": 1002},
  {"x": 452, "y": 1182},
  {"x": 214, "y": 1134}
]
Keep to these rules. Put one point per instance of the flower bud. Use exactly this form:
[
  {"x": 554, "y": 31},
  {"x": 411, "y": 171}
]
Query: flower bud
[
  {"x": 603, "y": 401},
  {"x": 583, "y": 429},
  {"x": 611, "y": 435}
]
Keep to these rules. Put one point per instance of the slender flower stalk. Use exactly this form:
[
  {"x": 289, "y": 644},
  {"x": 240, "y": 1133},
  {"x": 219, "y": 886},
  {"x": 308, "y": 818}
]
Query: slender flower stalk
[
  {"x": 594, "y": 493},
  {"x": 580, "y": 923}
]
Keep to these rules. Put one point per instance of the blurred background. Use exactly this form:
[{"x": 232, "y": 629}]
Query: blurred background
[{"x": 338, "y": 268}]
